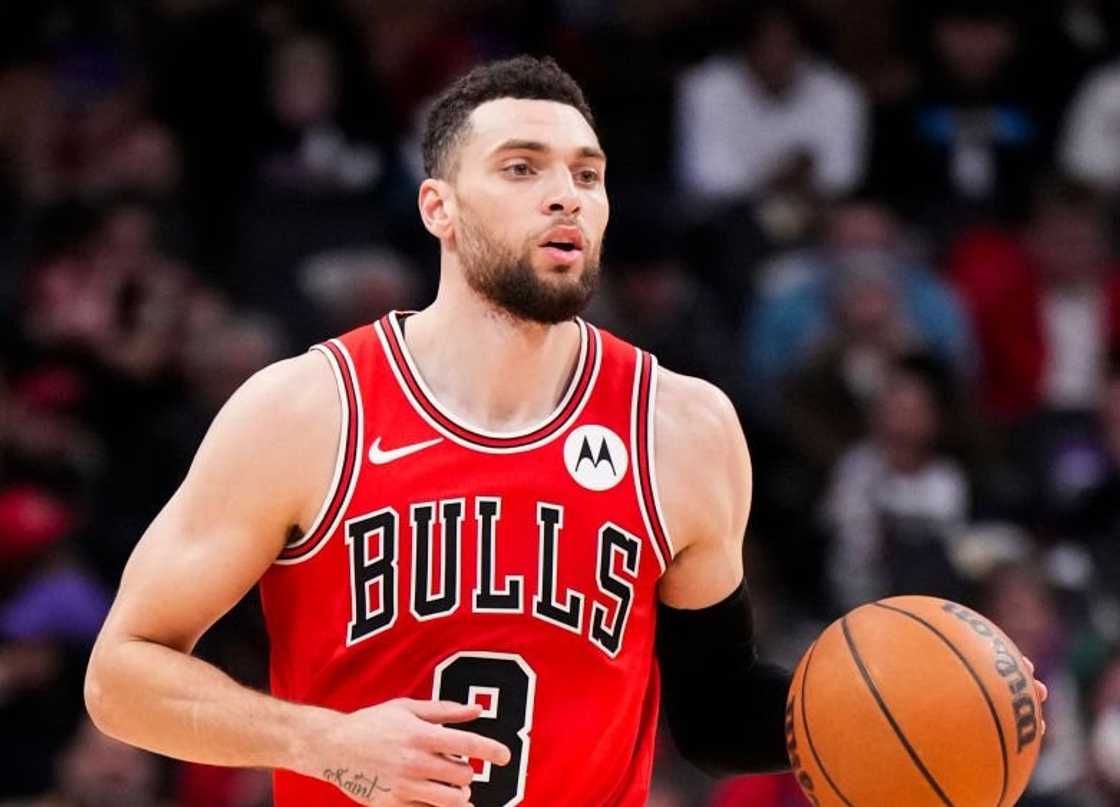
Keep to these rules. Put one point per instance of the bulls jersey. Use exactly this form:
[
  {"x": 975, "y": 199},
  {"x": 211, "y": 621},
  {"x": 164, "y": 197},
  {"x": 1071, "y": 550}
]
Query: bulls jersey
[{"x": 518, "y": 571}]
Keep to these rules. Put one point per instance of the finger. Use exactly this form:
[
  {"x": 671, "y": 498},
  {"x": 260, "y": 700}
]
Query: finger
[
  {"x": 1043, "y": 691},
  {"x": 448, "y": 771},
  {"x": 1029, "y": 665},
  {"x": 443, "y": 711},
  {"x": 433, "y": 794},
  {"x": 467, "y": 744}
]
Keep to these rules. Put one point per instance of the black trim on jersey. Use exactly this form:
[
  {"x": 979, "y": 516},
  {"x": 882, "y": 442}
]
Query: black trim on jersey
[
  {"x": 644, "y": 472},
  {"x": 339, "y": 495}
]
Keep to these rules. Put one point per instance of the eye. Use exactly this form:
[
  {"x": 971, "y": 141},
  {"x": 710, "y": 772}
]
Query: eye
[
  {"x": 521, "y": 169},
  {"x": 588, "y": 176}
]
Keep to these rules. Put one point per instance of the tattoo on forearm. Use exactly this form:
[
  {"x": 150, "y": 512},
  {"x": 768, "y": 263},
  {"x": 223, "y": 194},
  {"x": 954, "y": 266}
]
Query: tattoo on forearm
[{"x": 355, "y": 783}]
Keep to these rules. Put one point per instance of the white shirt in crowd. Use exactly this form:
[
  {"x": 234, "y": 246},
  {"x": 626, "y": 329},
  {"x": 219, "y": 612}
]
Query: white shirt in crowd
[
  {"x": 864, "y": 489},
  {"x": 1090, "y": 149},
  {"x": 733, "y": 136},
  {"x": 1074, "y": 327}
]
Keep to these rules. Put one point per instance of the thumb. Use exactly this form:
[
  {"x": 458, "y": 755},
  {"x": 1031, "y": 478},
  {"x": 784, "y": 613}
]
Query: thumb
[{"x": 443, "y": 711}]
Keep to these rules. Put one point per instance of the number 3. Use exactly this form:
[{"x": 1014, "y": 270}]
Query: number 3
[{"x": 504, "y": 684}]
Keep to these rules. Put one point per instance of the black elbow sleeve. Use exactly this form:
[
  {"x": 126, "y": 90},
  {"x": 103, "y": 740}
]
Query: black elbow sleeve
[{"x": 725, "y": 709}]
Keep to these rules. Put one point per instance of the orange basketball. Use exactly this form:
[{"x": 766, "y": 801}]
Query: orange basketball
[{"x": 912, "y": 702}]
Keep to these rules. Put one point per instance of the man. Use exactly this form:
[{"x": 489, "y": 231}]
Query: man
[
  {"x": 527, "y": 614},
  {"x": 770, "y": 117}
]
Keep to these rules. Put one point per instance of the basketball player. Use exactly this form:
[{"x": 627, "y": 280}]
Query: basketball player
[{"x": 465, "y": 522}]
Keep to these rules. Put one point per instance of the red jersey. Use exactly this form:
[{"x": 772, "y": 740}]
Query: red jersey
[{"x": 518, "y": 571}]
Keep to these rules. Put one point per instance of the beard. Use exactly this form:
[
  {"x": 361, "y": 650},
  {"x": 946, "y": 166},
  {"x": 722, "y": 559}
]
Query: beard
[{"x": 508, "y": 280}]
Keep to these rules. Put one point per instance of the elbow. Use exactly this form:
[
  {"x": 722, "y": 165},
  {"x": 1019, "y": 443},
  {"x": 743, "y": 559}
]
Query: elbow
[
  {"x": 699, "y": 751},
  {"x": 98, "y": 690}
]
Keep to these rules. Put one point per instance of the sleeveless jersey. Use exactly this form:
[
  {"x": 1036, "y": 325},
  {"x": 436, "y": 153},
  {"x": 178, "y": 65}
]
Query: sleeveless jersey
[{"x": 518, "y": 571}]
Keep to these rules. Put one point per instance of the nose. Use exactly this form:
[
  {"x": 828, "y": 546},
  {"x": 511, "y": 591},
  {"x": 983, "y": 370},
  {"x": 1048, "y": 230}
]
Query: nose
[{"x": 561, "y": 196}]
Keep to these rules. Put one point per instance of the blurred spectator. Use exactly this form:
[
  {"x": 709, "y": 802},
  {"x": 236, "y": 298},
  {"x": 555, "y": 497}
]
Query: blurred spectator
[
  {"x": 1017, "y": 598},
  {"x": 50, "y": 611},
  {"x": 1044, "y": 303},
  {"x": 112, "y": 294},
  {"x": 1067, "y": 40},
  {"x": 98, "y": 771},
  {"x": 864, "y": 275},
  {"x": 872, "y": 51},
  {"x": 144, "y": 159},
  {"x": 650, "y": 297},
  {"x": 1090, "y": 149},
  {"x": 1104, "y": 736},
  {"x": 311, "y": 152},
  {"x": 896, "y": 501},
  {"x": 969, "y": 139},
  {"x": 32, "y": 128},
  {"x": 1077, "y": 463},
  {"x": 353, "y": 286},
  {"x": 768, "y": 118}
]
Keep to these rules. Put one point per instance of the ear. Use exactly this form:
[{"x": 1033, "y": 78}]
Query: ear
[{"x": 437, "y": 207}]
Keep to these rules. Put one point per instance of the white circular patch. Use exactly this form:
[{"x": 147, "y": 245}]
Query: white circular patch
[{"x": 595, "y": 457}]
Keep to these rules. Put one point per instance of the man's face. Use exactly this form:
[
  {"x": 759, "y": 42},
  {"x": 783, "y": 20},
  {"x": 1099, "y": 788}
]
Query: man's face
[
  {"x": 774, "y": 53},
  {"x": 975, "y": 51},
  {"x": 529, "y": 208}
]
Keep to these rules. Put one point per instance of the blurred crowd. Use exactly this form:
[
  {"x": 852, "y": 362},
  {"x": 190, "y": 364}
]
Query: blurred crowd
[{"x": 887, "y": 229}]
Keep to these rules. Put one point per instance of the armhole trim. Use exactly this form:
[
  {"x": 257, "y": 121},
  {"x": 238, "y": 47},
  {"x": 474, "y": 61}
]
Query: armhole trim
[
  {"x": 347, "y": 464},
  {"x": 642, "y": 455}
]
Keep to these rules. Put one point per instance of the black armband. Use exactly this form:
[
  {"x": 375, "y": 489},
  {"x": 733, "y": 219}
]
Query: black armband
[{"x": 725, "y": 708}]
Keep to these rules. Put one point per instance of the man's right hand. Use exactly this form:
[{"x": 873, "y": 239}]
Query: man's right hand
[{"x": 400, "y": 753}]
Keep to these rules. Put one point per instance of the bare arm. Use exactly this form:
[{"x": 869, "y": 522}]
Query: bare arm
[
  {"x": 208, "y": 546},
  {"x": 263, "y": 468},
  {"x": 704, "y": 480}
]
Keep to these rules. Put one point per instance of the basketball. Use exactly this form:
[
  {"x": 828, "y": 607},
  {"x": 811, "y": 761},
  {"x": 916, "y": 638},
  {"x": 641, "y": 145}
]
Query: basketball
[{"x": 912, "y": 702}]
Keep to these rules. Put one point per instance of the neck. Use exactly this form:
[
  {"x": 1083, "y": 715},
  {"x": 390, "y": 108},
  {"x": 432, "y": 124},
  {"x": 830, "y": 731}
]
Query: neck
[{"x": 493, "y": 371}]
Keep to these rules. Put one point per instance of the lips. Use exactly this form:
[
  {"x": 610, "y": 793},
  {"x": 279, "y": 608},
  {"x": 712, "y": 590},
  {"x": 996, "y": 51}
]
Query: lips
[{"x": 563, "y": 239}]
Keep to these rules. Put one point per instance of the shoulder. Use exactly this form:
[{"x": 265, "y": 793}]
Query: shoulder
[
  {"x": 712, "y": 74},
  {"x": 826, "y": 82},
  {"x": 285, "y": 415},
  {"x": 691, "y": 407},
  {"x": 704, "y": 481},
  {"x": 291, "y": 393},
  {"x": 704, "y": 474},
  {"x": 1103, "y": 85}
]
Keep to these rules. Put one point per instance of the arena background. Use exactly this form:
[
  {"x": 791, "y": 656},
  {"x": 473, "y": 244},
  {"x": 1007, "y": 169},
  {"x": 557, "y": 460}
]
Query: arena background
[{"x": 887, "y": 229}]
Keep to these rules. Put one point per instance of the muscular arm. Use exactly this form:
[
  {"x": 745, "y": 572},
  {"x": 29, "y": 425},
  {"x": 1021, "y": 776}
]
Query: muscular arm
[
  {"x": 264, "y": 467},
  {"x": 267, "y": 457},
  {"x": 704, "y": 480},
  {"x": 725, "y": 707}
]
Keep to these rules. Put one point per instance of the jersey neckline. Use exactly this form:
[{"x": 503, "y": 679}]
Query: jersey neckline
[{"x": 418, "y": 393}]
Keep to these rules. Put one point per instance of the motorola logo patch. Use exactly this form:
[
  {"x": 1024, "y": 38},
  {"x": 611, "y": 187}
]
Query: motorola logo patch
[{"x": 595, "y": 457}]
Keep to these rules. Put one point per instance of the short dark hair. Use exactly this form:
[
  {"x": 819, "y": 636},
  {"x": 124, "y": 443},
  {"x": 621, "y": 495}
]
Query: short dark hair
[{"x": 521, "y": 77}]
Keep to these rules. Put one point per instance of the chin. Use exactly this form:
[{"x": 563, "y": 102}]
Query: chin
[{"x": 568, "y": 270}]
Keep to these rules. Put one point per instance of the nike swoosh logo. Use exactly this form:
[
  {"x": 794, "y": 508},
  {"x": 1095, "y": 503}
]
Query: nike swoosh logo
[{"x": 379, "y": 457}]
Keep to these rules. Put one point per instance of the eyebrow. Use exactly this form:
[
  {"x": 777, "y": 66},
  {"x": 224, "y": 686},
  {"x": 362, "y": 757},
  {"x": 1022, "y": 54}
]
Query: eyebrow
[{"x": 537, "y": 146}]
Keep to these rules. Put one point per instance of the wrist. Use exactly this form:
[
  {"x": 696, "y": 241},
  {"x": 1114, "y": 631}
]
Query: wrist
[{"x": 304, "y": 736}]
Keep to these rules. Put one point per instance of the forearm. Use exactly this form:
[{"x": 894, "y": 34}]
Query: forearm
[{"x": 174, "y": 704}]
